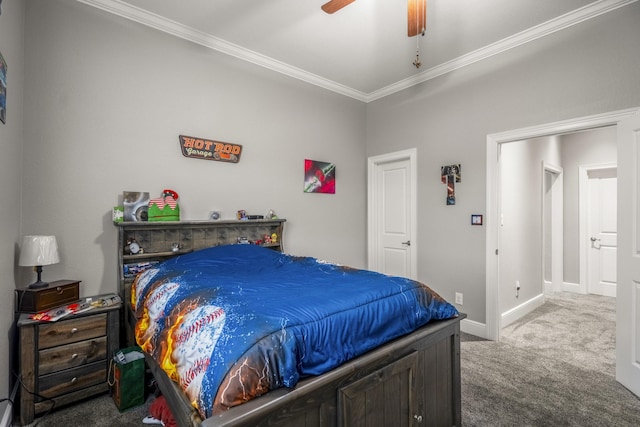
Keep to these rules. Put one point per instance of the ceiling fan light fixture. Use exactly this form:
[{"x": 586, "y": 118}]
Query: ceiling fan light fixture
[
  {"x": 416, "y": 17},
  {"x": 335, "y": 5}
]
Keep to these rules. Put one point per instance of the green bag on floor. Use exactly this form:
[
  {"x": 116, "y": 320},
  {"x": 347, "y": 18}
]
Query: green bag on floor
[{"x": 126, "y": 378}]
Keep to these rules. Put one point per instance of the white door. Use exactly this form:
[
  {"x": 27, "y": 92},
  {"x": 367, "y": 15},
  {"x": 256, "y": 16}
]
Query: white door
[
  {"x": 395, "y": 226},
  {"x": 628, "y": 288},
  {"x": 392, "y": 214},
  {"x": 603, "y": 230}
]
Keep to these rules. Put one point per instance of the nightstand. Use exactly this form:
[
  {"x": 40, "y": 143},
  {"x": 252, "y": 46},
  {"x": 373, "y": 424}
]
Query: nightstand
[{"x": 66, "y": 360}]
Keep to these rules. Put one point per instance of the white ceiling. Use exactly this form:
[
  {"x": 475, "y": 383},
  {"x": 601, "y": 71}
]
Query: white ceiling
[{"x": 361, "y": 51}]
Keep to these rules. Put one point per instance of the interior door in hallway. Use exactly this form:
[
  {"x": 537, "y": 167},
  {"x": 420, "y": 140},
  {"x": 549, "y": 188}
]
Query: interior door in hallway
[
  {"x": 603, "y": 230},
  {"x": 391, "y": 215},
  {"x": 628, "y": 287}
]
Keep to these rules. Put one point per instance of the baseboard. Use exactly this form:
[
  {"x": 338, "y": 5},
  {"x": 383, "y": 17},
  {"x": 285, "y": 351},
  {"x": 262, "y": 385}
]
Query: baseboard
[
  {"x": 6, "y": 408},
  {"x": 604, "y": 290},
  {"x": 472, "y": 327},
  {"x": 608, "y": 290},
  {"x": 523, "y": 309},
  {"x": 576, "y": 288}
]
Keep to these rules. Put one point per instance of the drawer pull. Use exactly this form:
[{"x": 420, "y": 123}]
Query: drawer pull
[
  {"x": 74, "y": 330},
  {"x": 74, "y": 356},
  {"x": 74, "y": 379},
  {"x": 59, "y": 290}
]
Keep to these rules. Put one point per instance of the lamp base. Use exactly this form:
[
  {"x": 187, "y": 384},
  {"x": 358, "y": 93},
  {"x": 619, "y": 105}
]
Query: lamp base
[{"x": 39, "y": 285}]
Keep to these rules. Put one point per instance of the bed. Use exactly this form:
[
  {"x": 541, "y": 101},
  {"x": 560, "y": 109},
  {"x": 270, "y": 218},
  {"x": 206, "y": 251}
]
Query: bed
[{"x": 233, "y": 337}]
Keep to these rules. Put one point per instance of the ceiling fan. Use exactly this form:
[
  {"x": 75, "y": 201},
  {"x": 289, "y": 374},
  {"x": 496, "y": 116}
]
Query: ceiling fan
[{"x": 416, "y": 13}]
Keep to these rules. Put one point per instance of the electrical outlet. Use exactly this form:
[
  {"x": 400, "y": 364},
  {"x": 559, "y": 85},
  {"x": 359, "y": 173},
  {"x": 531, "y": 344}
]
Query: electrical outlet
[{"x": 459, "y": 298}]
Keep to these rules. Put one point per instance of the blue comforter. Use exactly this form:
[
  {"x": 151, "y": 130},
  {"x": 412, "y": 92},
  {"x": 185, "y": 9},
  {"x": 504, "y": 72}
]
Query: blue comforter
[{"x": 232, "y": 322}]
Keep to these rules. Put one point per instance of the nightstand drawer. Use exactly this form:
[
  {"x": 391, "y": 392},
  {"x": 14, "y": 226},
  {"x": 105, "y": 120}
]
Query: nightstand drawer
[
  {"x": 73, "y": 330},
  {"x": 72, "y": 355},
  {"x": 72, "y": 379}
]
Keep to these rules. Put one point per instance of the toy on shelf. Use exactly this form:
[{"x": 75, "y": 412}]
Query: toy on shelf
[
  {"x": 132, "y": 247},
  {"x": 164, "y": 208}
]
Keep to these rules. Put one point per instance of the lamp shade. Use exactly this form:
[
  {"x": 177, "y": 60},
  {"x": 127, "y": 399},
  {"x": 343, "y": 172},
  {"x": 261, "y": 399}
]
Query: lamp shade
[{"x": 39, "y": 250}]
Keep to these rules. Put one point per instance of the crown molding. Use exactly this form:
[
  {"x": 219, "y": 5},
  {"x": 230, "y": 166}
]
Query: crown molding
[
  {"x": 534, "y": 33},
  {"x": 141, "y": 16}
]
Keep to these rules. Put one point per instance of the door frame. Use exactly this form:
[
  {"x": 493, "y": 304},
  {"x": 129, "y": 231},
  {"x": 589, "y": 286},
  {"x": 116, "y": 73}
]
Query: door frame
[
  {"x": 492, "y": 279},
  {"x": 373, "y": 220},
  {"x": 583, "y": 189},
  {"x": 557, "y": 228}
]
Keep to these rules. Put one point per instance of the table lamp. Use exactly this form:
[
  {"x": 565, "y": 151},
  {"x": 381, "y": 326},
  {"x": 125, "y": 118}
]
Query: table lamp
[{"x": 37, "y": 251}]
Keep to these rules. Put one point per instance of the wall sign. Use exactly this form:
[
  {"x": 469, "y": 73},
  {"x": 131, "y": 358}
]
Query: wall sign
[
  {"x": 200, "y": 148},
  {"x": 450, "y": 175}
]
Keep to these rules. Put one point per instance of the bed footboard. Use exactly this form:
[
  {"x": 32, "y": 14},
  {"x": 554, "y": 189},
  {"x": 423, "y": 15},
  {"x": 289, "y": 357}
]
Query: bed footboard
[{"x": 413, "y": 380}]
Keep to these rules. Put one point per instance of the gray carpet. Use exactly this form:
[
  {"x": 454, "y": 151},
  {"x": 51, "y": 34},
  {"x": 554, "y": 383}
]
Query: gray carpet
[
  {"x": 554, "y": 367},
  {"x": 94, "y": 412}
]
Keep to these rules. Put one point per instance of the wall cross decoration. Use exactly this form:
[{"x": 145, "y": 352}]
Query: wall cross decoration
[{"x": 450, "y": 175}]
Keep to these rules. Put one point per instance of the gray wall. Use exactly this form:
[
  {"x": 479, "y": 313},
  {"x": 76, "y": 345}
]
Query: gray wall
[
  {"x": 11, "y": 140},
  {"x": 587, "y": 69},
  {"x": 106, "y": 102},
  {"x": 521, "y": 232}
]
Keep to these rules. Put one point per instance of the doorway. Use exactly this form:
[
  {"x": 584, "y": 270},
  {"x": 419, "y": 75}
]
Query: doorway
[
  {"x": 494, "y": 306},
  {"x": 534, "y": 262}
]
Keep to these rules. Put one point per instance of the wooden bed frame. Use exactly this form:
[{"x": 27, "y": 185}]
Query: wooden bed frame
[{"x": 411, "y": 381}]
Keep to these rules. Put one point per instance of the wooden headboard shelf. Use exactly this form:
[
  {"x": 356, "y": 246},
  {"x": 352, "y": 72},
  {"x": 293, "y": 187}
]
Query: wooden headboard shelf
[
  {"x": 155, "y": 254},
  {"x": 157, "y": 238}
]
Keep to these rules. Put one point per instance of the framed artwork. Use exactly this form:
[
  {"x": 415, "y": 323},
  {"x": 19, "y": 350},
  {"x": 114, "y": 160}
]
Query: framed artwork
[
  {"x": 3, "y": 89},
  {"x": 476, "y": 219},
  {"x": 319, "y": 177}
]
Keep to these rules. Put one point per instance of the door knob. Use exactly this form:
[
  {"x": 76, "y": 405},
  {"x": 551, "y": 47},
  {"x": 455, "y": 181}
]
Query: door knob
[
  {"x": 407, "y": 243},
  {"x": 593, "y": 239}
]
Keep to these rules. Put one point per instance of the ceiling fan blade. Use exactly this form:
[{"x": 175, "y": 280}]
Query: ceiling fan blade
[
  {"x": 416, "y": 17},
  {"x": 335, "y": 5}
]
